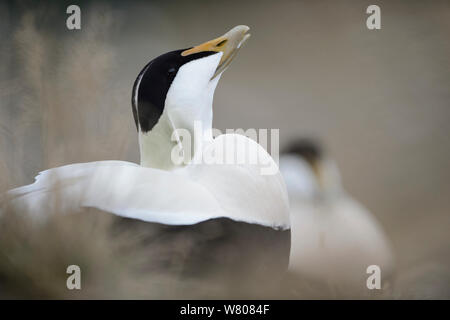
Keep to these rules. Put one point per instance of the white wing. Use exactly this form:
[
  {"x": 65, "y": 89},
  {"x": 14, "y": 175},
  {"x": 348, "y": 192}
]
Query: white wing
[{"x": 189, "y": 195}]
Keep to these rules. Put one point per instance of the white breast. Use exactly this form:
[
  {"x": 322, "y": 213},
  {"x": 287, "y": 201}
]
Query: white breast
[{"x": 336, "y": 242}]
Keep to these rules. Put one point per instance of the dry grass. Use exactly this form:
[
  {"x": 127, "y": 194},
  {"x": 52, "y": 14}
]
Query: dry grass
[
  {"x": 119, "y": 259},
  {"x": 124, "y": 259},
  {"x": 116, "y": 262}
]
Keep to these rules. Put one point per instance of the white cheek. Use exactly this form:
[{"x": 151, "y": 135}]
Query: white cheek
[
  {"x": 193, "y": 81},
  {"x": 298, "y": 176}
]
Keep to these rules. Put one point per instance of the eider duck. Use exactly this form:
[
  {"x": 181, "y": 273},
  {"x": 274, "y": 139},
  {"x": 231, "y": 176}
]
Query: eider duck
[
  {"x": 334, "y": 238},
  {"x": 234, "y": 218}
]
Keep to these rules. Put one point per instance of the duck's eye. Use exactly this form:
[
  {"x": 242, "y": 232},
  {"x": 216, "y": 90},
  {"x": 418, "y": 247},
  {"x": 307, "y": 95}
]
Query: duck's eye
[{"x": 221, "y": 43}]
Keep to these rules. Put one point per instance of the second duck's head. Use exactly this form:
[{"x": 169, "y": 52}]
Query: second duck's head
[{"x": 308, "y": 172}]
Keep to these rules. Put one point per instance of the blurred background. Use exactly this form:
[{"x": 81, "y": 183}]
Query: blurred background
[{"x": 378, "y": 99}]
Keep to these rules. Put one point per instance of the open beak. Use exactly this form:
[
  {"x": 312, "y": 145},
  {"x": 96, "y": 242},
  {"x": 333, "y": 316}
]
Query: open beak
[{"x": 229, "y": 44}]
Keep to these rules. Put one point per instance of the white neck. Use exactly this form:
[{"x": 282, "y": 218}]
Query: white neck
[{"x": 187, "y": 111}]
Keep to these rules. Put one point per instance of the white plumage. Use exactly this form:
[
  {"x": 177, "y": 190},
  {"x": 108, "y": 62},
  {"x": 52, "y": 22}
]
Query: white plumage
[
  {"x": 185, "y": 196},
  {"x": 233, "y": 215}
]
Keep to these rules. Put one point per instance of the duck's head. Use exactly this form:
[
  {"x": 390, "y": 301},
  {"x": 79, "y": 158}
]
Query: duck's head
[
  {"x": 176, "y": 89},
  {"x": 308, "y": 172}
]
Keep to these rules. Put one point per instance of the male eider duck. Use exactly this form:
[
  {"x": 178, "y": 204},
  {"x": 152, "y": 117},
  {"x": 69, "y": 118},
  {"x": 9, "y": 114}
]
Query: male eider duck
[
  {"x": 334, "y": 238},
  {"x": 234, "y": 218}
]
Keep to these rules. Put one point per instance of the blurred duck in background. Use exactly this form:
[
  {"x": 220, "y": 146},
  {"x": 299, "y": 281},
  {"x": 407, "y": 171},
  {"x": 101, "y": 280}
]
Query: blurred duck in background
[{"x": 334, "y": 238}]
